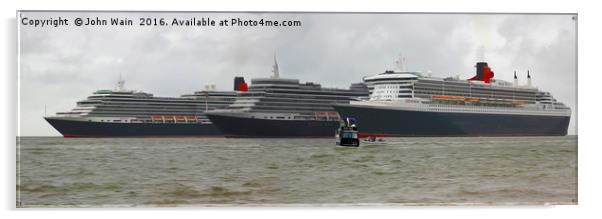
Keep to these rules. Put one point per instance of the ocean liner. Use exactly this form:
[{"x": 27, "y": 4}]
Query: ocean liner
[
  {"x": 127, "y": 113},
  {"x": 279, "y": 107},
  {"x": 410, "y": 104}
]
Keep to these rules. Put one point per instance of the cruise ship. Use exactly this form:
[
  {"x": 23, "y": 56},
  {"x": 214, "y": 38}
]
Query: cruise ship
[
  {"x": 127, "y": 113},
  {"x": 279, "y": 107},
  {"x": 410, "y": 104}
]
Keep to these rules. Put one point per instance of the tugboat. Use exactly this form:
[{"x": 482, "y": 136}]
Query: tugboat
[{"x": 347, "y": 134}]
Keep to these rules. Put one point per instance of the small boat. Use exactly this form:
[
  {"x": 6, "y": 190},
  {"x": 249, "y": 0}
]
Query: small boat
[
  {"x": 347, "y": 137},
  {"x": 373, "y": 141},
  {"x": 347, "y": 134}
]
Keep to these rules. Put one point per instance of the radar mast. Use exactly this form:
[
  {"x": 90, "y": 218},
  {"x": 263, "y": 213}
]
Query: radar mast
[
  {"x": 275, "y": 69},
  {"x": 120, "y": 84}
]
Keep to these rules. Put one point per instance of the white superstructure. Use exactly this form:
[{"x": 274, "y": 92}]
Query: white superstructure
[
  {"x": 127, "y": 106},
  {"x": 415, "y": 92}
]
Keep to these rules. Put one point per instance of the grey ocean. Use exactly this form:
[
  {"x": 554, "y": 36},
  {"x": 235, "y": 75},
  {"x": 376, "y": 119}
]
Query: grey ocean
[{"x": 60, "y": 172}]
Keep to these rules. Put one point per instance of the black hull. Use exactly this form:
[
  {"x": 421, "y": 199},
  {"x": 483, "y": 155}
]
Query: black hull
[
  {"x": 397, "y": 123},
  {"x": 71, "y": 128},
  {"x": 233, "y": 126}
]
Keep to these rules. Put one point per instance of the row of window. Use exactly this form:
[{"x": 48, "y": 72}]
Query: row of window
[
  {"x": 473, "y": 94},
  {"x": 478, "y": 88},
  {"x": 446, "y": 108}
]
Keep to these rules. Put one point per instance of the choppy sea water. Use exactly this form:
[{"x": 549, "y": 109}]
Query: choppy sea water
[{"x": 60, "y": 172}]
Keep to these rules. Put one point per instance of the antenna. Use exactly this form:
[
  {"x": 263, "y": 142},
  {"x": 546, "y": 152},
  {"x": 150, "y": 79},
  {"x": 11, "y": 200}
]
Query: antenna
[
  {"x": 275, "y": 69},
  {"x": 405, "y": 68},
  {"x": 515, "y": 79},
  {"x": 528, "y": 78},
  {"x": 400, "y": 63},
  {"x": 120, "y": 83}
]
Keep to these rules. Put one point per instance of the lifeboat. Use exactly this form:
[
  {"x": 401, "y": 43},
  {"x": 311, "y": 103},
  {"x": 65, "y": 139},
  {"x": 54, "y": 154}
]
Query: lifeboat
[
  {"x": 320, "y": 114},
  {"x": 191, "y": 118},
  {"x": 180, "y": 118},
  {"x": 444, "y": 97},
  {"x": 157, "y": 118},
  {"x": 333, "y": 115}
]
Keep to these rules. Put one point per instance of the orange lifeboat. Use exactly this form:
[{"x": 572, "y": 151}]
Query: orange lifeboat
[
  {"x": 180, "y": 118},
  {"x": 445, "y": 97},
  {"x": 191, "y": 118},
  {"x": 320, "y": 114}
]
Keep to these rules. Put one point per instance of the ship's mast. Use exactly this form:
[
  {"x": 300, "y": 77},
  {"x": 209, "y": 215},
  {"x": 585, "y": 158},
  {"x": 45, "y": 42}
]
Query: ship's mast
[
  {"x": 401, "y": 63},
  {"x": 120, "y": 83},
  {"x": 275, "y": 69},
  {"x": 528, "y": 79},
  {"x": 515, "y": 86},
  {"x": 515, "y": 79}
]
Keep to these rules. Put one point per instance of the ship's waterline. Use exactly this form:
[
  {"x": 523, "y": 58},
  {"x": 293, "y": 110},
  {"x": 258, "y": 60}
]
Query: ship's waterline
[
  {"x": 387, "y": 121},
  {"x": 406, "y": 171}
]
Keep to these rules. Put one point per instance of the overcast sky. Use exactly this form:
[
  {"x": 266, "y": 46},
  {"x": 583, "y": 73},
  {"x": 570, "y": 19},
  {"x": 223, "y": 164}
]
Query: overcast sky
[{"x": 62, "y": 65}]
